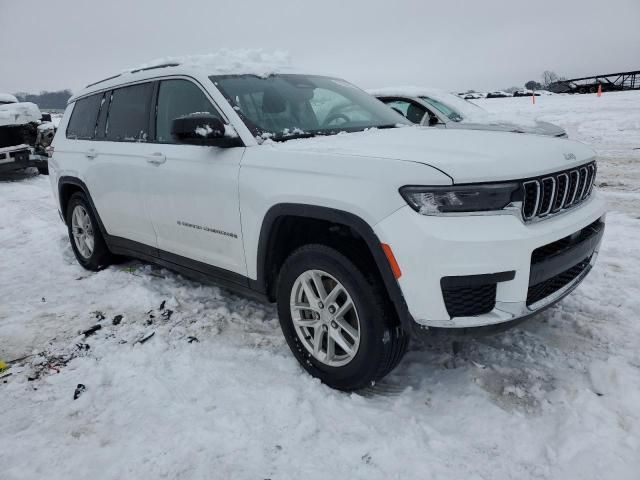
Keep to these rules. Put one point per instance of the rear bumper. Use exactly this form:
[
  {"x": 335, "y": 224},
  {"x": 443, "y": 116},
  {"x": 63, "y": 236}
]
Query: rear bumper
[{"x": 494, "y": 255}]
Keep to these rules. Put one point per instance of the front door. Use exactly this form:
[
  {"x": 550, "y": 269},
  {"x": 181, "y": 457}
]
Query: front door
[{"x": 191, "y": 192}]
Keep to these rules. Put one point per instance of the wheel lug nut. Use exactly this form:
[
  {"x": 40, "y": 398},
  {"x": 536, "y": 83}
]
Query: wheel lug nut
[
  {"x": 320, "y": 305},
  {"x": 325, "y": 328},
  {"x": 334, "y": 325},
  {"x": 332, "y": 309},
  {"x": 316, "y": 316}
]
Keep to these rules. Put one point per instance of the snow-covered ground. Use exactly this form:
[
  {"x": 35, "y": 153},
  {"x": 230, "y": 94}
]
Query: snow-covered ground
[{"x": 216, "y": 394}]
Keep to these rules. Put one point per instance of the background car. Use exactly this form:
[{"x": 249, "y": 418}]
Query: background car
[
  {"x": 437, "y": 108},
  {"x": 25, "y": 134},
  {"x": 525, "y": 93},
  {"x": 498, "y": 94}
]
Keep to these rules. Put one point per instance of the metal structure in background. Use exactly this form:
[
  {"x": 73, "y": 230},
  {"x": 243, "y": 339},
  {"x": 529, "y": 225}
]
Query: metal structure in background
[{"x": 610, "y": 82}]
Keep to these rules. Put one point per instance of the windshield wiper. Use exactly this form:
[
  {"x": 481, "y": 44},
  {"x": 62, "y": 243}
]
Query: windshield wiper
[{"x": 281, "y": 137}]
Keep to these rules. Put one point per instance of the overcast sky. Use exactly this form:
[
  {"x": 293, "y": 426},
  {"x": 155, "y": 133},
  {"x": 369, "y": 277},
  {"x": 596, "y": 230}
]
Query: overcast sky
[{"x": 451, "y": 44}]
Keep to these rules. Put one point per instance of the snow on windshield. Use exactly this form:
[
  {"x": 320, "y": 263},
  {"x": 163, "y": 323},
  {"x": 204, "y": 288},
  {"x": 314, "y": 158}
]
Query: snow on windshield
[{"x": 226, "y": 61}]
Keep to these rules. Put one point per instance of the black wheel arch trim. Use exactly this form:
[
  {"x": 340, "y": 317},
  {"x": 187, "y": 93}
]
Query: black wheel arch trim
[
  {"x": 75, "y": 181},
  {"x": 266, "y": 244}
]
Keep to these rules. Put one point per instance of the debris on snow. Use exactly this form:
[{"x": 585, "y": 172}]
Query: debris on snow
[
  {"x": 78, "y": 391},
  {"x": 145, "y": 338},
  {"x": 92, "y": 330}
]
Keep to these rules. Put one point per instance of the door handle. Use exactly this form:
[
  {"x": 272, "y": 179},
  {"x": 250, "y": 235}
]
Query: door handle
[
  {"x": 91, "y": 153},
  {"x": 156, "y": 158}
]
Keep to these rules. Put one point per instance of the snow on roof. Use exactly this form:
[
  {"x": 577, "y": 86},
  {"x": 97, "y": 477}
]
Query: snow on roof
[
  {"x": 19, "y": 113},
  {"x": 225, "y": 61},
  {"x": 222, "y": 62},
  {"x": 407, "y": 91},
  {"x": 7, "y": 98}
]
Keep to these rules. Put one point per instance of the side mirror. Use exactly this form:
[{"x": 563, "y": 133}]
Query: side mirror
[
  {"x": 433, "y": 120},
  {"x": 203, "y": 129}
]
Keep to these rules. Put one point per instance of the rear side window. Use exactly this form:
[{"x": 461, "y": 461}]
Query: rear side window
[
  {"x": 82, "y": 124},
  {"x": 128, "y": 118},
  {"x": 177, "y": 98}
]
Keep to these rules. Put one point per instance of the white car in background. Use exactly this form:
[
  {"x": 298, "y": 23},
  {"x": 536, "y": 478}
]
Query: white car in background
[{"x": 437, "y": 108}]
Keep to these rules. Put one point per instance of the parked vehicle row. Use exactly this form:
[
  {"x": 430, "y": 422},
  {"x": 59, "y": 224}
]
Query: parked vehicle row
[
  {"x": 501, "y": 94},
  {"x": 304, "y": 190}
]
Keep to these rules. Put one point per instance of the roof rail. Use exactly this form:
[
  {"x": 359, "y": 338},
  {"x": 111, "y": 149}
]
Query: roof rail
[
  {"x": 103, "y": 80},
  {"x": 164, "y": 65}
]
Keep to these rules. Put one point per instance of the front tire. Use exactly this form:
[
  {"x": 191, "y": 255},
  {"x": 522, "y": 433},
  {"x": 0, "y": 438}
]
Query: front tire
[
  {"x": 338, "y": 323},
  {"x": 87, "y": 241},
  {"x": 43, "y": 170}
]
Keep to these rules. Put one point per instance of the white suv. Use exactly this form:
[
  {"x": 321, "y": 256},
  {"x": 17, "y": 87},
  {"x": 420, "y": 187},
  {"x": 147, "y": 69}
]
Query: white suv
[{"x": 363, "y": 234}]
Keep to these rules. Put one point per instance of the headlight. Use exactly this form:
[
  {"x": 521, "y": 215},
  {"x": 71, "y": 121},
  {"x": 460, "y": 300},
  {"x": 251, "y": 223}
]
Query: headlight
[{"x": 460, "y": 199}]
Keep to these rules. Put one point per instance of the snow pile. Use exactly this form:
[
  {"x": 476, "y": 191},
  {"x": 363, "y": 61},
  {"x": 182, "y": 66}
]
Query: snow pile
[
  {"x": 226, "y": 61},
  {"x": 19, "y": 113},
  {"x": 7, "y": 98}
]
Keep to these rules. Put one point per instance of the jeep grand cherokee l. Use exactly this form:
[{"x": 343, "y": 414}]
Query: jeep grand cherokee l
[{"x": 362, "y": 227}]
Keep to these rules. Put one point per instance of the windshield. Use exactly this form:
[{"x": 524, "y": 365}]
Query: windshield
[
  {"x": 455, "y": 108},
  {"x": 293, "y": 106}
]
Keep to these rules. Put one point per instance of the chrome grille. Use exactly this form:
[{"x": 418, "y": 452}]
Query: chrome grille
[{"x": 554, "y": 193}]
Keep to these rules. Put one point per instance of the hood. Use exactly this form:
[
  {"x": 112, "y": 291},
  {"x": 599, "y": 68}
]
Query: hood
[
  {"x": 19, "y": 113},
  {"x": 537, "y": 128},
  {"x": 464, "y": 155}
]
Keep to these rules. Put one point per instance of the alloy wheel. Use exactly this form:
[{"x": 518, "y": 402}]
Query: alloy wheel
[
  {"x": 82, "y": 231},
  {"x": 325, "y": 318}
]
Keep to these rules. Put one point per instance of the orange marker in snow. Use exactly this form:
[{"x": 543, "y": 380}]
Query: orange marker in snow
[{"x": 599, "y": 90}]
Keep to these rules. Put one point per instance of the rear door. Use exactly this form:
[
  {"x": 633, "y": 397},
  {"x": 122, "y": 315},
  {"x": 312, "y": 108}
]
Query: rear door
[
  {"x": 117, "y": 163},
  {"x": 191, "y": 192}
]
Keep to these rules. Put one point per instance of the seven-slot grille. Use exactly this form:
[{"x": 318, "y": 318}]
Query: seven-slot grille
[{"x": 553, "y": 193}]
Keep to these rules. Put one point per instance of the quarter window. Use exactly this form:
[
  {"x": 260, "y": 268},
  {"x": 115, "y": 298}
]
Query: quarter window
[
  {"x": 128, "y": 117},
  {"x": 177, "y": 98},
  {"x": 82, "y": 123}
]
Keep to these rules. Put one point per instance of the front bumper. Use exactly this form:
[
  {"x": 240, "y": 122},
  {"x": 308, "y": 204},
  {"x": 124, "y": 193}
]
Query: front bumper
[
  {"x": 430, "y": 249},
  {"x": 19, "y": 157}
]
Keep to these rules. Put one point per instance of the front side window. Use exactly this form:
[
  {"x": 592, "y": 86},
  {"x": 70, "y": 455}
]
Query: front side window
[
  {"x": 289, "y": 106},
  {"x": 128, "y": 117},
  {"x": 82, "y": 123},
  {"x": 411, "y": 110},
  {"x": 177, "y": 98}
]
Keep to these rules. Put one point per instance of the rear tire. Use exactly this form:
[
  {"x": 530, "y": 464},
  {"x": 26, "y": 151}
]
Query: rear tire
[
  {"x": 87, "y": 241},
  {"x": 381, "y": 342},
  {"x": 43, "y": 170}
]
